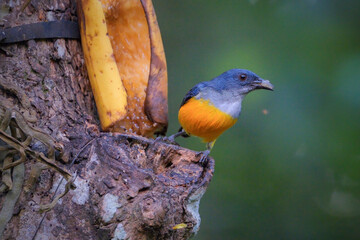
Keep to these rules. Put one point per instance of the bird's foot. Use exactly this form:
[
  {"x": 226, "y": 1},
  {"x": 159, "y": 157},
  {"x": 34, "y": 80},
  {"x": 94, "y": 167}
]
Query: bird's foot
[
  {"x": 204, "y": 158},
  {"x": 170, "y": 140}
]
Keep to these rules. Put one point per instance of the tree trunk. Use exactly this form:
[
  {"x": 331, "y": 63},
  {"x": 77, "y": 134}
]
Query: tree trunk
[{"x": 127, "y": 186}]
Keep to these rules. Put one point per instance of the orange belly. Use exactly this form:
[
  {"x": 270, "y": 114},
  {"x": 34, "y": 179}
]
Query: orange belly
[{"x": 199, "y": 118}]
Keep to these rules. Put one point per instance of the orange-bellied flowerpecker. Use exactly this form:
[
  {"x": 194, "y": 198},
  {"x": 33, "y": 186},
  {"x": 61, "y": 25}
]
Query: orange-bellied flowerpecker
[{"x": 212, "y": 107}]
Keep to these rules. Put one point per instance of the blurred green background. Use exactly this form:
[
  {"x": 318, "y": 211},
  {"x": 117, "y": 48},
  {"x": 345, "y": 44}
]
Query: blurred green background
[{"x": 293, "y": 173}]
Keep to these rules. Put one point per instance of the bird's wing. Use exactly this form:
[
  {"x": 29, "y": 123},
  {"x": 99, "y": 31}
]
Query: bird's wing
[{"x": 192, "y": 93}]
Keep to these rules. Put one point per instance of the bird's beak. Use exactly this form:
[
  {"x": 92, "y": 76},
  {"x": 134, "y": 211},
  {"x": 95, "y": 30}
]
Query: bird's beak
[{"x": 263, "y": 84}]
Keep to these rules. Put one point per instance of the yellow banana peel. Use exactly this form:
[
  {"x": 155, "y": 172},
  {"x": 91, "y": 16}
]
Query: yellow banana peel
[
  {"x": 126, "y": 64},
  {"x": 109, "y": 92}
]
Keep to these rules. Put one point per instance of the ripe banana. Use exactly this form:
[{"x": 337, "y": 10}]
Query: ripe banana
[
  {"x": 109, "y": 92},
  {"x": 126, "y": 64}
]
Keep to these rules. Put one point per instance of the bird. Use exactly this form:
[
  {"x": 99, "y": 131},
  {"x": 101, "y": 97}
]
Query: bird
[{"x": 212, "y": 107}]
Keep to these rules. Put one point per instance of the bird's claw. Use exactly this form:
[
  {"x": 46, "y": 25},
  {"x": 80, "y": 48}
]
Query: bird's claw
[
  {"x": 204, "y": 158},
  {"x": 157, "y": 139},
  {"x": 170, "y": 140}
]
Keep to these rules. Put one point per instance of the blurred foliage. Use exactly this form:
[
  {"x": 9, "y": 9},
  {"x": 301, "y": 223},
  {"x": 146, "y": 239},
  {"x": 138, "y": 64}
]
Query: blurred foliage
[{"x": 293, "y": 173}]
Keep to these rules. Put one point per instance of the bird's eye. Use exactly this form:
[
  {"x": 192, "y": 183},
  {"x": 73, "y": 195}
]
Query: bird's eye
[{"x": 243, "y": 77}]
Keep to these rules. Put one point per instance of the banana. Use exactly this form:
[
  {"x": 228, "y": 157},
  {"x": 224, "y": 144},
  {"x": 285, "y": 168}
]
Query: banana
[
  {"x": 108, "y": 89},
  {"x": 126, "y": 64}
]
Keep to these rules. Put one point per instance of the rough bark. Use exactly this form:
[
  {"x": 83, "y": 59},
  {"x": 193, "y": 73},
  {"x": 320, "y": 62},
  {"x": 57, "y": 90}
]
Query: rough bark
[{"x": 128, "y": 187}]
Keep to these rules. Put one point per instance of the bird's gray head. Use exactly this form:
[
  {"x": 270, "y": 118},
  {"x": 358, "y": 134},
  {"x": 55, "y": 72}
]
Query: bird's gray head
[
  {"x": 241, "y": 80},
  {"x": 227, "y": 91}
]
